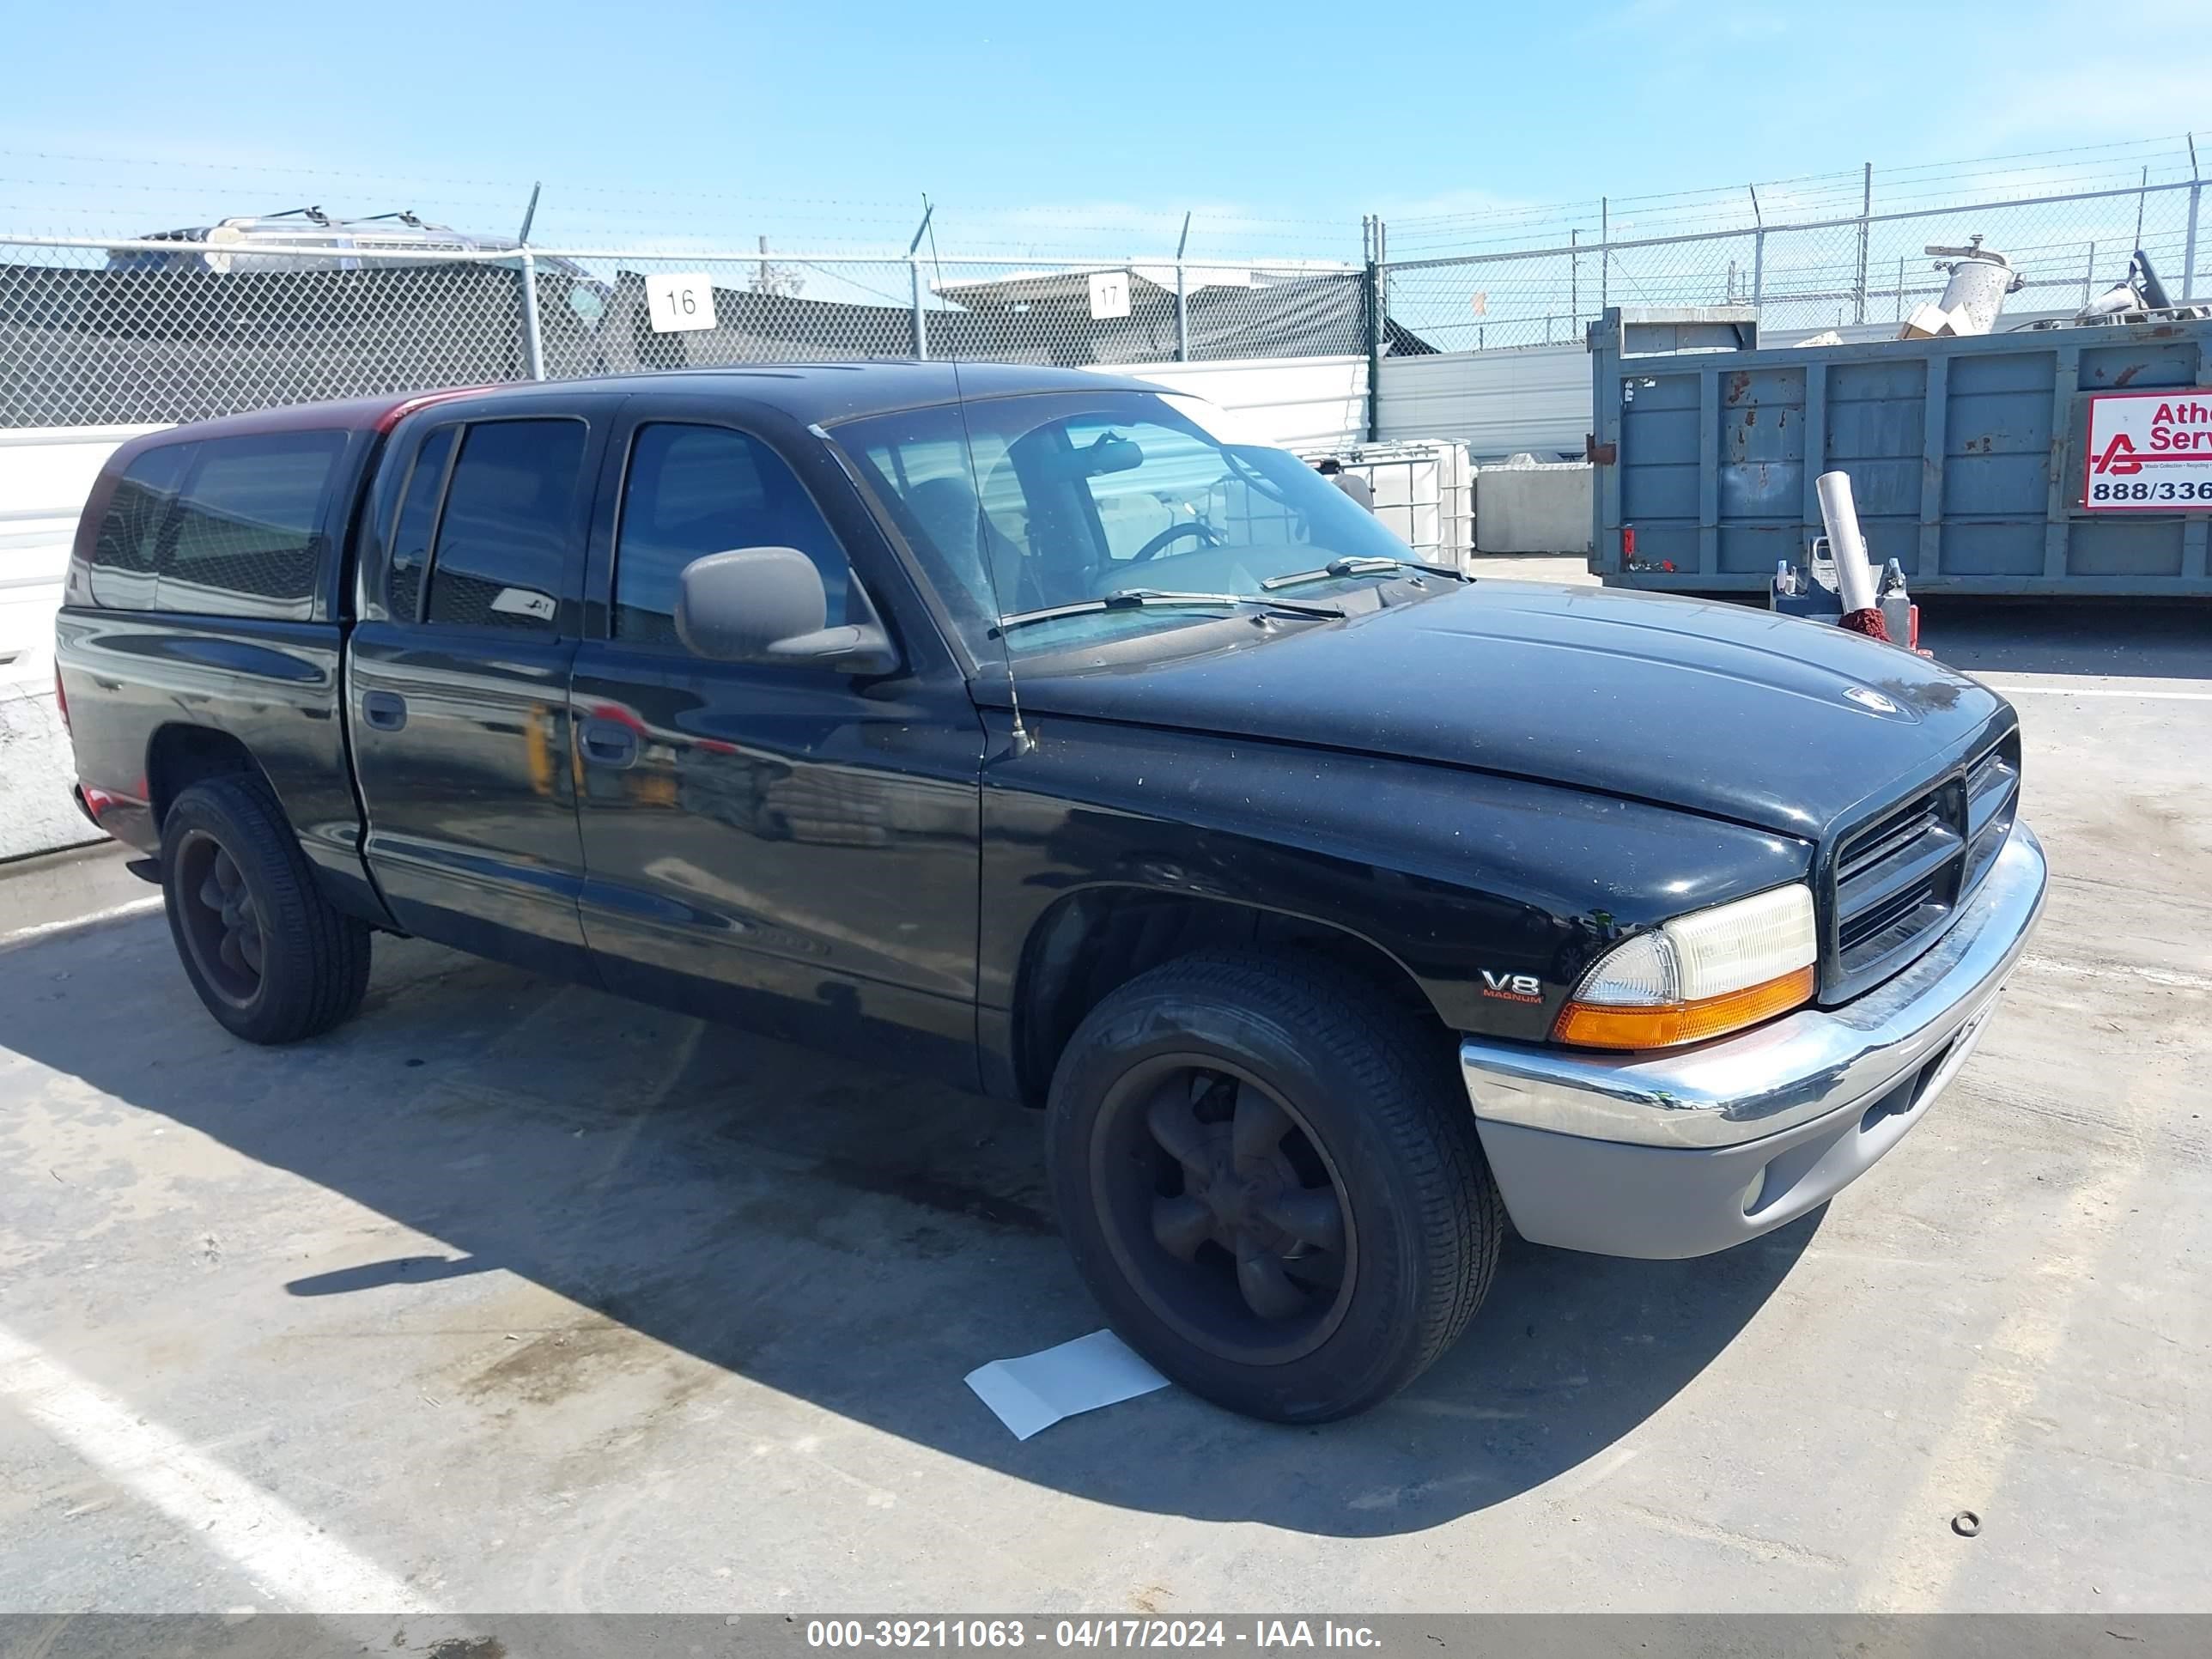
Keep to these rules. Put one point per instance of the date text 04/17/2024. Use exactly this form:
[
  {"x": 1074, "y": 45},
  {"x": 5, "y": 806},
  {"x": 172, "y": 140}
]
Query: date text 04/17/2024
[{"x": 1257, "y": 1635}]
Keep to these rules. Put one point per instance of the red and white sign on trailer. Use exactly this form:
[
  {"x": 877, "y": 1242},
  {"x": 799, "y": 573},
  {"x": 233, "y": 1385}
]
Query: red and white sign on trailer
[{"x": 2149, "y": 452}]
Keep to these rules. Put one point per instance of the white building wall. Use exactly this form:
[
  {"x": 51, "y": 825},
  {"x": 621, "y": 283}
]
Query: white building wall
[
  {"x": 1293, "y": 403},
  {"x": 45, "y": 472},
  {"x": 44, "y": 475}
]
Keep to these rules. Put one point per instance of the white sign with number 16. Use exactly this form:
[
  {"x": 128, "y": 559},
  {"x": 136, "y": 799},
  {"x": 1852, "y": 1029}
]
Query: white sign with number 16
[{"x": 680, "y": 302}]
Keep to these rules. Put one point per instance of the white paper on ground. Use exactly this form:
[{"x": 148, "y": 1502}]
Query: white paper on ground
[{"x": 1036, "y": 1390}]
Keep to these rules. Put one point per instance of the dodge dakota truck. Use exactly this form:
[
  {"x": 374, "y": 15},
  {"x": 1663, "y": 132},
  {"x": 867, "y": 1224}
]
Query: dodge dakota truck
[{"x": 1031, "y": 729}]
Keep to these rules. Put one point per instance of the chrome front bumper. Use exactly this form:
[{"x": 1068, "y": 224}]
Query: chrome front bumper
[{"x": 1682, "y": 1152}]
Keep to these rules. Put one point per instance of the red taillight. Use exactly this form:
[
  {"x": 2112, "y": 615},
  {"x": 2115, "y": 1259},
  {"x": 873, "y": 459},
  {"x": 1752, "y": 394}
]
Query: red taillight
[{"x": 61, "y": 699}]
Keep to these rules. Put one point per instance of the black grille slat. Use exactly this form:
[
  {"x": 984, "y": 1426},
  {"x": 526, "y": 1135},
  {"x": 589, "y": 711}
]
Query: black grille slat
[
  {"x": 1990, "y": 788},
  {"x": 1869, "y": 924},
  {"x": 1992, "y": 797},
  {"x": 1894, "y": 884},
  {"x": 1870, "y": 851},
  {"x": 1910, "y": 866}
]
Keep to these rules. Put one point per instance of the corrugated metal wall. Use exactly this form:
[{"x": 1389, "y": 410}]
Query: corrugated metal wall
[
  {"x": 1496, "y": 403},
  {"x": 1531, "y": 399}
]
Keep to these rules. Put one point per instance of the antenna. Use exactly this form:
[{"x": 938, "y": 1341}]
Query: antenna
[{"x": 1022, "y": 743}]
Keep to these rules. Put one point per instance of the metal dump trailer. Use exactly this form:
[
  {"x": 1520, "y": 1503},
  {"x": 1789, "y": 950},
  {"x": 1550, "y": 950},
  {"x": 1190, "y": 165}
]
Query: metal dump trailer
[{"x": 1970, "y": 459}]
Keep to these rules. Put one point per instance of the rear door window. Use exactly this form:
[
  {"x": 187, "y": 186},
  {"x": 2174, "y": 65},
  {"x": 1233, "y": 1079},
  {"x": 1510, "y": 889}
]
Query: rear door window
[
  {"x": 510, "y": 527},
  {"x": 247, "y": 538}
]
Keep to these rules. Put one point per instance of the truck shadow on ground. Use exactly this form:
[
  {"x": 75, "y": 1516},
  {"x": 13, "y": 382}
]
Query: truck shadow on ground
[
  {"x": 835, "y": 1233},
  {"x": 2117, "y": 637}
]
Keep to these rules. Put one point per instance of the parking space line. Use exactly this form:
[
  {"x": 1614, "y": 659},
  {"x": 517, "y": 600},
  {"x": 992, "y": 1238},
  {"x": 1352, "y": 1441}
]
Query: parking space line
[
  {"x": 137, "y": 907},
  {"x": 289, "y": 1559},
  {"x": 2119, "y": 970},
  {"x": 2100, "y": 691}
]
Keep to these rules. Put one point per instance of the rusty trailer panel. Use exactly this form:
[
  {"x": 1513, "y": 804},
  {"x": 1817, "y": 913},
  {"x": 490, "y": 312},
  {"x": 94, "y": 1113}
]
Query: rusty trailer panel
[{"x": 1966, "y": 455}]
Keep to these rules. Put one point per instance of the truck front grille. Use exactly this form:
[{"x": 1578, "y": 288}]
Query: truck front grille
[{"x": 1897, "y": 881}]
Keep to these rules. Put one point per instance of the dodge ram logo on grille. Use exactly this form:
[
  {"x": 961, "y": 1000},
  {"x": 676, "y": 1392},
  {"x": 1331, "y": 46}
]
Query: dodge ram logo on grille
[{"x": 1867, "y": 699}]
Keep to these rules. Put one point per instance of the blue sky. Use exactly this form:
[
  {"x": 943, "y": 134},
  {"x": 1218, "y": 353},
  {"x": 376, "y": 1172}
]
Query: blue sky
[{"x": 1037, "y": 123}]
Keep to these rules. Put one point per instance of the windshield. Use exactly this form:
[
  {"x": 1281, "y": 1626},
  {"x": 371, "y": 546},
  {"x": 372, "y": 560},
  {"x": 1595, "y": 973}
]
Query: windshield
[{"x": 1074, "y": 496}]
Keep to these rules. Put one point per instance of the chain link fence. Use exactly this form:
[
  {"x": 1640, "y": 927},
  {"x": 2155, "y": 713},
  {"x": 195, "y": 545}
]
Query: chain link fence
[
  {"x": 96, "y": 332},
  {"x": 1868, "y": 269},
  {"x": 129, "y": 332}
]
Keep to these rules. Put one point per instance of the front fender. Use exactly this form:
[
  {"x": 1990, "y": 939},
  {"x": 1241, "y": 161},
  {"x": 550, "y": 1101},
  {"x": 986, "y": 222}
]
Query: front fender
[{"x": 1468, "y": 879}]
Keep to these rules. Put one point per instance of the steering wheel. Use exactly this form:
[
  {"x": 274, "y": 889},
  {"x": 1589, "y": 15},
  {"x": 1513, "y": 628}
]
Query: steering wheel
[{"x": 1197, "y": 527}]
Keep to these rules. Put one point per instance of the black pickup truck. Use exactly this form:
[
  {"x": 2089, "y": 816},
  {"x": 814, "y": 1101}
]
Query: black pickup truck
[{"x": 1026, "y": 728}]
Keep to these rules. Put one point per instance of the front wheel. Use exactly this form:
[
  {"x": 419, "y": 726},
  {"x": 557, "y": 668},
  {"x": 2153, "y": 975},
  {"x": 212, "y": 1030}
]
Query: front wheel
[{"x": 1269, "y": 1180}]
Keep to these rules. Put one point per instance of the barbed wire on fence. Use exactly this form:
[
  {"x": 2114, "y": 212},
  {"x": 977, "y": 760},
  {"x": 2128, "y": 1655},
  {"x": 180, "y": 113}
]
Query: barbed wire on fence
[
  {"x": 71, "y": 193},
  {"x": 1840, "y": 271},
  {"x": 1508, "y": 226}
]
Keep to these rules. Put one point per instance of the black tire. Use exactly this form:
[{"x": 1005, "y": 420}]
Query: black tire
[
  {"x": 1374, "y": 1112},
  {"x": 271, "y": 957}
]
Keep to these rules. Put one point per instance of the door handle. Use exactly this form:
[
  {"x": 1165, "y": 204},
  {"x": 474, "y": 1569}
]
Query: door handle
[
  {"x": 609, "y": 744},
  {"x": 384, "y": 710}
]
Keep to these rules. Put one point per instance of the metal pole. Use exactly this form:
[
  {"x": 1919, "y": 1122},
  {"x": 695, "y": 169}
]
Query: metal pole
[
  {"x": 1376, "y": 278},
  {"x": 1574, "y": 276},
  {"x": 1900, "y": 287},
  {"x": 533, "y": 346},
  {"x": 2189, "y": 248},
  {"x": 762, "y": 283},
  {"x": 2188, "y": 245},
  {"x": 1866, "y": 224},
  {"x": 1758, "y": 255},
  {"x": 914, "y": 270},
  {"x": 1182, "y": 297},
  {"x": 1604, "y": 251},
  {"x": 2090, "y": 276}
]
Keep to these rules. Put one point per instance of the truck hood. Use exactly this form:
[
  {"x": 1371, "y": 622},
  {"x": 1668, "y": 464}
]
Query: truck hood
[{"x": 1768, "y": 721}]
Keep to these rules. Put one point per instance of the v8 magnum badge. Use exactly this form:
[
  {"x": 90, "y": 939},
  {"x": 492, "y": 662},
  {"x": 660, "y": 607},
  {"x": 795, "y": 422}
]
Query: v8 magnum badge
[
  {"x": 1512, "y": 987},
  {"x": 1868, "y": 698}
]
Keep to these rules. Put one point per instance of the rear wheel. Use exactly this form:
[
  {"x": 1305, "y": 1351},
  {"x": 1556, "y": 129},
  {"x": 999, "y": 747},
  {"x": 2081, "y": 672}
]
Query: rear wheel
[
  {"x": 271, "y": 959},
  {"x": 1271, "y": 1181}
]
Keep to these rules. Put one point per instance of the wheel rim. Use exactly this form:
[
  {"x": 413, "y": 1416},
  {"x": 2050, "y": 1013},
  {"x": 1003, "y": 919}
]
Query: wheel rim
[
  {"x": 221, "y": 924},
  {"x": 1224, "y": 1209}
]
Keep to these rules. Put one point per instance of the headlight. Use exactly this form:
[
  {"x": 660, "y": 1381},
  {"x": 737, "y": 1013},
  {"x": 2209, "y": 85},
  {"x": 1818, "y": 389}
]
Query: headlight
[{"x": 1698, "y": 975}]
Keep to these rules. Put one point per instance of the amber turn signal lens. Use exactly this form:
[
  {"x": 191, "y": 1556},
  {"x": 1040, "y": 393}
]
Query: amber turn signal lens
[{"x": 1670, "y": 1025}]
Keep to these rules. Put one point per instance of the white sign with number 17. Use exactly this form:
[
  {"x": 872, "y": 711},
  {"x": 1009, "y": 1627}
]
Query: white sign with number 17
[
  {"x": 1109, "y": 294},
  {"x": 680, "y": 302}
]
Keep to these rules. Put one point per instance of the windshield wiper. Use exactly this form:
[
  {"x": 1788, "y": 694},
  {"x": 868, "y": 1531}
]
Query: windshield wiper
[
  {"x": 1133, "y": 598},
  {"x": 1364, "y": 565}
]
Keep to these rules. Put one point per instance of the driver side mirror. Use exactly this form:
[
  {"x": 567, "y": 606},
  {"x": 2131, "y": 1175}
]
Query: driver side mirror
[{"x": 767, "y": 606}]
